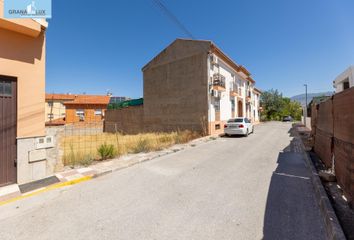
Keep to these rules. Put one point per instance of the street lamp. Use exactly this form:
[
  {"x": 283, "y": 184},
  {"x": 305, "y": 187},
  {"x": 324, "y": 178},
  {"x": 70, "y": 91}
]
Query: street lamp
[{"x": 305, "y": 110}]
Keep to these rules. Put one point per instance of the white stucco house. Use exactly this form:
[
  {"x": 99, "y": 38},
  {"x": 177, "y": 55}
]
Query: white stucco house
[
  {"x": 233, "y": 93},
  {"x": 345, "y": 80}
]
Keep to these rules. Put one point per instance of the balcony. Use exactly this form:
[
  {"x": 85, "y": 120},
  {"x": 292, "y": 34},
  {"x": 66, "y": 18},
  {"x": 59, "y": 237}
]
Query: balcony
[
  {"x": 248, "y": 96},
  {"x": 218, "y": 82},
  {"x": 233, "y": 90},
  {"x": 233, "y": 93}
]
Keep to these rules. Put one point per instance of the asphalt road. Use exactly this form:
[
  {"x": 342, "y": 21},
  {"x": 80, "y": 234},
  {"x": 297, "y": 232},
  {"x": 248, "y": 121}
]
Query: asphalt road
[{"x": 230, "y": 188}]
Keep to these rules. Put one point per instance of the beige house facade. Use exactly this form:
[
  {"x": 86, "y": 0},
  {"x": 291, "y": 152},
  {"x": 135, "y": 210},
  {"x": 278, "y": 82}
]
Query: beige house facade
[
  {"x": 192, "y": 84},
  {"x": 55, "y": 105},
  {"x": 22, "y": 96}
]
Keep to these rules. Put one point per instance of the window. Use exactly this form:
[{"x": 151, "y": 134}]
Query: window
[
  {"x": 98, "y": 112},
  {"x": 5, "y": 89},
  {"x": 217, "y": 105},
  {"x": 236, "y": 120},
  {"x": 345, "y": 85},
  {"x": 80, "y": 112},
  {"x": 232, "y": 105},
  {"x": 50, "y": 104}
]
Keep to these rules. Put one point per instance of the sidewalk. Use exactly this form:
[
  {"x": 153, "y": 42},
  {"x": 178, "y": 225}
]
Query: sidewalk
[
  {"x": 332, "y": 226},
  {"x": 292, "y": 211},
  {"x": 72, "y": 176}
]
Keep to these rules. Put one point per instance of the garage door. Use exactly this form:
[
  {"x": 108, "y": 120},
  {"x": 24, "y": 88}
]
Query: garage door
[{"x": 8, "y": 126}]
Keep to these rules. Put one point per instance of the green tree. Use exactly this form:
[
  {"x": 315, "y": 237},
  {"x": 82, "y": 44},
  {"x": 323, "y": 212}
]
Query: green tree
[
  {"x": 272, "y": 103},
  {"x": 275, "y": 106}
]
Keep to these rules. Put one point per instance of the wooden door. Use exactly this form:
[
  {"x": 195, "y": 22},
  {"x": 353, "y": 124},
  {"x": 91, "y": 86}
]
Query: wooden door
[{"x": 8, "y": 130}]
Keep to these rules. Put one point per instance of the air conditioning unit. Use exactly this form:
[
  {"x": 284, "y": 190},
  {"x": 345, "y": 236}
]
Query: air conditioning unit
[{"x": 213, "y": 59}]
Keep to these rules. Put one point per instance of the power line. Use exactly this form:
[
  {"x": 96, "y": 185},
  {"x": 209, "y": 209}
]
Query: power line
[
  {"x": 178, "y": 23},
  {"x": 172, "y": 17}
]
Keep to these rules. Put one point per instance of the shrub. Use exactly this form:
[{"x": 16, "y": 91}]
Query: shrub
[
  {"x": 83, "y": 149},
  {"x": 106, "y": 151},
  {"x": 185, "y": 136},
  {"x": 142, "y": 145},
  {"x": 76, "y": 158},
  {"x": 86, "y": 160},
  {"x": 165, "y": 139}
]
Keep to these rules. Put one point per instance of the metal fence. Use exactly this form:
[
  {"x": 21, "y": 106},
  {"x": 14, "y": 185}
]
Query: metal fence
[{"x": 79, "y": 139}]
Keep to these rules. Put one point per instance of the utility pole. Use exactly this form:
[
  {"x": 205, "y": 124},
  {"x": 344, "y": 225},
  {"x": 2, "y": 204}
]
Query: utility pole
[{"x": 305, "y": 109}]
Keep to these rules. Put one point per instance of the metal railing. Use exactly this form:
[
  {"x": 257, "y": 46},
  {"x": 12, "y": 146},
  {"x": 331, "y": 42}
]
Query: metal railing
[{"x": 219, "y": 80}]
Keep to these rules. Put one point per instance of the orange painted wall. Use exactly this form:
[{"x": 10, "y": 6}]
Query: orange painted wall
[
  {"x": 89, "y": 113},
  {"x": 23, "y": 56}
]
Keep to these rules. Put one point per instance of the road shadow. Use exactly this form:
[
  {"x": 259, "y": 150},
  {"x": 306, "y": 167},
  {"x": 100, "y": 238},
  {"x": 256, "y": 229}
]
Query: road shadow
[
  {"x": 232, "y": 136},
  {"x": 291, "y": 209}
]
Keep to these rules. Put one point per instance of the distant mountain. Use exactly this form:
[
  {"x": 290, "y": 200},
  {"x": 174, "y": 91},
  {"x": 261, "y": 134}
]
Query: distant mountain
[{"x": 301, "y": 98}]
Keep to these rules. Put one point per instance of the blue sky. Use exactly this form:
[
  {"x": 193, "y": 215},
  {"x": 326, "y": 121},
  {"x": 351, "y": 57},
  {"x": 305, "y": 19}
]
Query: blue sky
[{"x": 95, "y": 46}]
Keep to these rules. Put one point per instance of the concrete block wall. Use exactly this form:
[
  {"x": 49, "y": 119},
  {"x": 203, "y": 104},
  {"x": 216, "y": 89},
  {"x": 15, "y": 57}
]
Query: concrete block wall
[
  {"x": 176, "y": 88},
  {"x": 128, "y": 120},
  {"x": 29, "y": 169},
  {"x": 36, "y": 162}
]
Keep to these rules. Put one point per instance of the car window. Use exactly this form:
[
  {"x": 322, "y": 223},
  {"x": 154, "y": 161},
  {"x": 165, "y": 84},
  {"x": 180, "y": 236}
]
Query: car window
[
  {"x": 246, "y": 120},
  {"x": 235, "y": 120}
]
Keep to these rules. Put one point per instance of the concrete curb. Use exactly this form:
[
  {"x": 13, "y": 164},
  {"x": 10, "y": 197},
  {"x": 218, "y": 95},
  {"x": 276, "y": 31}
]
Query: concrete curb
[
  {"x": 333, "y": 228},
  {"x": 46, "y": 189},
  {"x": 105, "y": 171}
]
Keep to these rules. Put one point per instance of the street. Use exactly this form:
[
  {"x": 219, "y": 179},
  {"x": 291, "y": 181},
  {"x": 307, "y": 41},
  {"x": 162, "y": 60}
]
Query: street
[{"x": 230, "y": 188}]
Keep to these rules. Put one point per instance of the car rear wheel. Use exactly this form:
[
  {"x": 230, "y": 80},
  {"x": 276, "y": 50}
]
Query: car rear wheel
[{"x": 246, "y": 135}]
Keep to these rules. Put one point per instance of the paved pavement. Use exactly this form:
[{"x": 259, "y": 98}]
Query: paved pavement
[{"x": 231, "y": 188}]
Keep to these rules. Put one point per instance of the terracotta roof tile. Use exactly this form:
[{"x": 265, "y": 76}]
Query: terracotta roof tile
[
  {"x": 59, "y": 96},
  {"x": 79, "y": 98},
  {"x": 89, "y": 99},
  {"x": 56, "y": 122}
]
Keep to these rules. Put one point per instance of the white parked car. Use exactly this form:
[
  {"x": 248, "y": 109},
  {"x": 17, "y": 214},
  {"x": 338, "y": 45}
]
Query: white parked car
[{"x": 238, "y": 126}]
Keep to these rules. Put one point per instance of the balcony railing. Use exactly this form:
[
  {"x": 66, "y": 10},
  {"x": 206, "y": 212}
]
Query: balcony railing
[{"x": 218, "y": 82}]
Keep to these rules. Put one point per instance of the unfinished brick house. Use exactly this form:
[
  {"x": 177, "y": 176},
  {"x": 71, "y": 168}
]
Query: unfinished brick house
[{"x": 193, "y": 85}]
